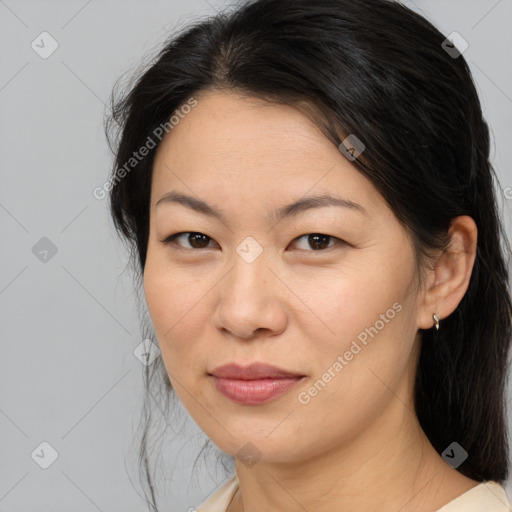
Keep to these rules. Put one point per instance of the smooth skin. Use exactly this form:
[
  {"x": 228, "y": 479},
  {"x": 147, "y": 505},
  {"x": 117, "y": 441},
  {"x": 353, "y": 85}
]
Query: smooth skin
[{"x": 357, "y": 444}]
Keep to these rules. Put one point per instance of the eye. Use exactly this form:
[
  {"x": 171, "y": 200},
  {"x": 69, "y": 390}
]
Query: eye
[
  {"x": 319, "y": 241},
  {"x": 195, "y": 239}
]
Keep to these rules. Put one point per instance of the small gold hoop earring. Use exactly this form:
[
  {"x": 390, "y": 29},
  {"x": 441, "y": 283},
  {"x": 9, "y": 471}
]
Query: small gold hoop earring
[{"x": 436, "y": 319}]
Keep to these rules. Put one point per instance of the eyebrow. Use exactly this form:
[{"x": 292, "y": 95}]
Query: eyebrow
[{"x": 290, "y": 210}]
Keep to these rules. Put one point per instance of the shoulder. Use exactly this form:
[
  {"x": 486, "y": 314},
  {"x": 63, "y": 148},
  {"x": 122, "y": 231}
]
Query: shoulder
[
  {"x": 486, "y": 497},
  {"x": 219, "y": 500}
]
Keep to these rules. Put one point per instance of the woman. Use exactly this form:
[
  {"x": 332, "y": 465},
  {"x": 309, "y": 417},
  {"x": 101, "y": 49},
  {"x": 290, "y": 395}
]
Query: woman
[{"x": 311, "y": 207}]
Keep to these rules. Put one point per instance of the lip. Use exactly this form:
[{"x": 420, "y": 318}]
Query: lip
[
  {"x": 254, "y": 384},
  {"x": 253, "y": 371}
]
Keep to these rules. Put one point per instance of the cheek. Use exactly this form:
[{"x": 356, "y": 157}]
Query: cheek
[
  {"x": 174, "y": 305},
  {"x": 345, "y": 302},
  {"x": 363, "y": 315},
  {"x": 360, "y": 367}
]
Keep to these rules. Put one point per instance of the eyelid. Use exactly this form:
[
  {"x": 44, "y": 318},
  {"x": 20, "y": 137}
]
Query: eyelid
[
  {"x": 337, "y": 242},
  {"x": 170, "y": 240}
]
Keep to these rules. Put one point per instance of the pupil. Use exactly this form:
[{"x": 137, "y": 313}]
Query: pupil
[
  {"x": 195, "y": 237},
  {"x": 322, "y": 240}
]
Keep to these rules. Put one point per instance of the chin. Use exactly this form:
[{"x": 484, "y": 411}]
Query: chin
[{"x": 249, "y": 447}]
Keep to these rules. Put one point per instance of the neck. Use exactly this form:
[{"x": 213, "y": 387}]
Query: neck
[{"x": 390, "y": 465}]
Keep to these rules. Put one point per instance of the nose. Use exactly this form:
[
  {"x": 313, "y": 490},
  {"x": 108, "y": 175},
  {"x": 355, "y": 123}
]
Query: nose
[{"x": 251, "y": 301}]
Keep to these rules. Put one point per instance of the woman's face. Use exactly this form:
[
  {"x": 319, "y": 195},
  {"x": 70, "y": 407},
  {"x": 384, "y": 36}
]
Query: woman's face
[{"x": 339, "y": 310}]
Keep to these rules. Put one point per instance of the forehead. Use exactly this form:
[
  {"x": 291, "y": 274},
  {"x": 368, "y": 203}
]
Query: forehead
[
  {"x": 227, "y": 125},
  {"x": 231, "y": 144}
]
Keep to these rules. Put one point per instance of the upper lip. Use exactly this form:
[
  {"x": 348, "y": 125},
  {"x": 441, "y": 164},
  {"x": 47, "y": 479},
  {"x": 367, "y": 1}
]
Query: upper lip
[{"x": 252, "y": 372}]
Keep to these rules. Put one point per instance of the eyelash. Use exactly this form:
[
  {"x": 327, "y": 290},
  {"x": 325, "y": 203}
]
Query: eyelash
[{"x": 171, "y": 240}]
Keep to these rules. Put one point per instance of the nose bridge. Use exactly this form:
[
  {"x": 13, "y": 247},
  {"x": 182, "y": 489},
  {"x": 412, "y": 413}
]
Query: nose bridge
[
  {"x": 247, "y": 300},
  {"x": 249, "y": 269}
]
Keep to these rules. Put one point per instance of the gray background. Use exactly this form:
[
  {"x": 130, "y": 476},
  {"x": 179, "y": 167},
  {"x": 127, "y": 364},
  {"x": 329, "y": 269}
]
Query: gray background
[{"x": 68, "y": 324}]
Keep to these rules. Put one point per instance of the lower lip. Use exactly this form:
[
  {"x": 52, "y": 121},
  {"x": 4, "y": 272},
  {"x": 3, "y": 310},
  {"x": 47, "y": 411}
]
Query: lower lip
[{"x": 253, "y": 391}]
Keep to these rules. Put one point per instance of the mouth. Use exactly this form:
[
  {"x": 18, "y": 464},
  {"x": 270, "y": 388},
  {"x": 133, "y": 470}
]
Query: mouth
[{"x": 257, "y": 383}]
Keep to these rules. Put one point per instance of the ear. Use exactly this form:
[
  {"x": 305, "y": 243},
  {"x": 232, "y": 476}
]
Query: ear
[{"x": 447, "y": 283}]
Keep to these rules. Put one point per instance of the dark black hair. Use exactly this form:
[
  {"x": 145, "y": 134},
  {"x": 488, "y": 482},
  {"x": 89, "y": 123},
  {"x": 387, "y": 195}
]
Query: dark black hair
[{"x": 376, "y": 69}]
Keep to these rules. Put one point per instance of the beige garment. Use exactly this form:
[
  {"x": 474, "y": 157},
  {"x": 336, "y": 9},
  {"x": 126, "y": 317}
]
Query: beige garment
[{"x": 485, "y": 497}]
